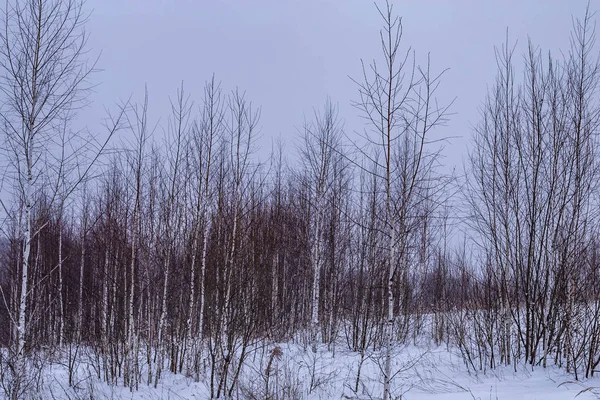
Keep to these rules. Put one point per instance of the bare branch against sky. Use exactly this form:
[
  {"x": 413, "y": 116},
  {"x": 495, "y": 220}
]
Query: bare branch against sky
[{"x": 290, "y": 55}]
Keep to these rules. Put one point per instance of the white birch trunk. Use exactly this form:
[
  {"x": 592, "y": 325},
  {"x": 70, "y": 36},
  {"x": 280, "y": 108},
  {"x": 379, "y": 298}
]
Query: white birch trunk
[
  {"x": 104, "y": 314},
  {"x": 202, "y": 283},
  {"x": 130, "y": 315},
  {"x": 161, "y": 322},
  {"x": 21, "y": 328},
  {"x": 192, "y": 297},
  {"x": 389, "y": 331},
  {"x": 230, "y": 266},
  {"x": 114, "y": 300},
  {"x": 61, "y": 305},
  {"x": 316, "y": 262},
  {"x": 226, "y": 311},
  {"x": 80, "y": 294}
]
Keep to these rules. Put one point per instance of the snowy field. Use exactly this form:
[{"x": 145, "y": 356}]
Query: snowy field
[{"x": 421, "y": 372}]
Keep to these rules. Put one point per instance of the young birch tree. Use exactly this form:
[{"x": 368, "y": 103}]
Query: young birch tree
[
  {"x": 321, "y": 142},
  {"x": 44, "y": 77},
  {"x": 241, "y": 130},
  {"x": 178, "y": 130},
  {"x": 207, "y": 132},
  {"x": 397, "y": 100},
  {"x": 137, "y": 122}
]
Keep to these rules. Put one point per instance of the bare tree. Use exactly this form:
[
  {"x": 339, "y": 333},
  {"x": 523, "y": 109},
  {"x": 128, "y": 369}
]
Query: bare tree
[
  {"x": 44, "y": 79},
  {"x": 319, "y": 152},
  {"x": 179, "y": 126},
  {"x": 137, "y": 123},
  {"x": 398, "y": 102},
  {"x": 531, "y": 194},
  {"x": 208, "y": 132}
]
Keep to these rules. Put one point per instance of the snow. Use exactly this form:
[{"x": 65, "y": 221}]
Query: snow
[{"x": 421, "y": 373}]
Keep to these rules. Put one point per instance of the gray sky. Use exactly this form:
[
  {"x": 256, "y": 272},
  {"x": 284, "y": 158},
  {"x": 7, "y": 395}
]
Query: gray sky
[{"x": 288, "y": 55}]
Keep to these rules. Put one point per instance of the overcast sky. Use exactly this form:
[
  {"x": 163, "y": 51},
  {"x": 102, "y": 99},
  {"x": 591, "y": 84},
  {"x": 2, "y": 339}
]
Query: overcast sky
[{"x": 289, "y": 55}]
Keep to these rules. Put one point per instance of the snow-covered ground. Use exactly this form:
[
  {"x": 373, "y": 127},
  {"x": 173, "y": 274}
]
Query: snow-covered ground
[{"x": 422, "y": 372}]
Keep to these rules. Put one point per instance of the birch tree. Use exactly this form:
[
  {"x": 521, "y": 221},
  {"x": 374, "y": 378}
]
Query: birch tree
[
  {"x": 397, "y": 99},
  {"x": 531, "y": 193},
  {"x": 320, "y": 153},
  {"x": 241, "y": 130},
  {"x": 178, "y": 129},
  {"x": 137, "y": 123},
  {"x": 208, "y": 132},
  {"x": 44, "y": 76}
]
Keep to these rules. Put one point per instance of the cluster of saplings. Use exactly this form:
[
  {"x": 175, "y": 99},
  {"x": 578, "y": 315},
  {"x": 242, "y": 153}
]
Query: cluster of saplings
[{"x": 181, "y": 250}]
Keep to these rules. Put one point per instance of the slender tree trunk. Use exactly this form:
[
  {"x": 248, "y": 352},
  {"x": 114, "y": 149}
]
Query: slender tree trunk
[
  {"x": 21, "y": 327},
  {"x": 202, "y": 278},
  {"x": 61, "y": 304},
  {"x": 80, "y": 294},
  {"x": 130, "y": 313},
  {"x": 389, "y": 327},
  {"x": 192, "y": 296},
  {"x": 104, "y": 313},
  {"x": 316, "y": 262},
  {"x": 162, "y": 320}
]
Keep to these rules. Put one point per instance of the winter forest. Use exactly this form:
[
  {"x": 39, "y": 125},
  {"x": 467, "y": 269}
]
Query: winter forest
[{"x": 151, "y": 255}]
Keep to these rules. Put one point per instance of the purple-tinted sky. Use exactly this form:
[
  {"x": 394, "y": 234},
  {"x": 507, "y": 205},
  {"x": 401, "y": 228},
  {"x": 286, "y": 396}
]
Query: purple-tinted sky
[{"x": 288, "y": 55}]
